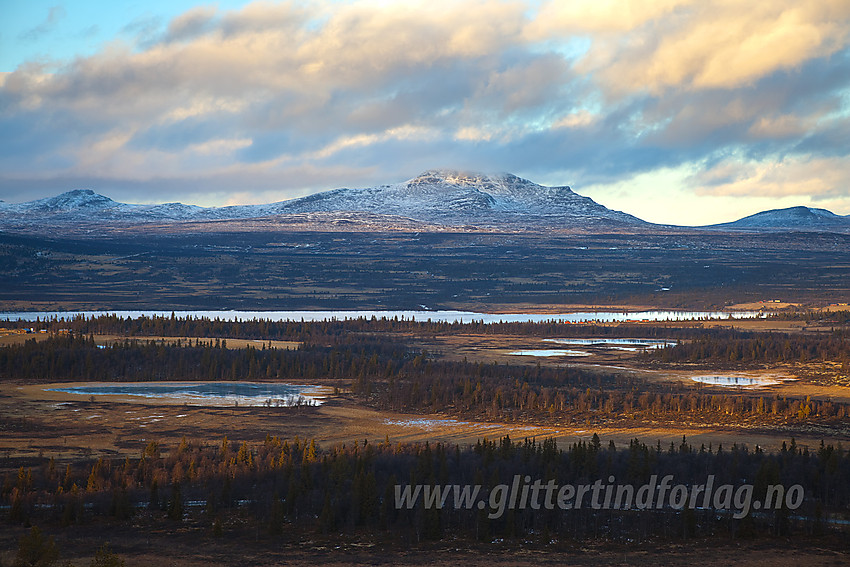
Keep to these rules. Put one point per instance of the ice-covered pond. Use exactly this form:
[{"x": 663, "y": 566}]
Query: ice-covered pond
[
  {"x": 735, "y": 381},
  {"x": 549, "y": 352},
  {"x": 618, "y": 344},
  {"x": 205, "y": 393}
]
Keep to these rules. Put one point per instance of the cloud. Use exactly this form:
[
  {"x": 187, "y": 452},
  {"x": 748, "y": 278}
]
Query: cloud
[
  {"x": 190, "y": 24},
  {"x": 600, "y": 16},
  {"x": 302, "y": 96},
  {"x": 145, "y": 30},
  {"x": 54, "y": 15},
  {"x": 805, "y": 176},
  {"x": 694, "y": 44}
]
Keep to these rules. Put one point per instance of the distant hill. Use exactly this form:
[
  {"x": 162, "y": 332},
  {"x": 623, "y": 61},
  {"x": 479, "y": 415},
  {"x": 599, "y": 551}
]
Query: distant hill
[{"x": 792, "y": 218}]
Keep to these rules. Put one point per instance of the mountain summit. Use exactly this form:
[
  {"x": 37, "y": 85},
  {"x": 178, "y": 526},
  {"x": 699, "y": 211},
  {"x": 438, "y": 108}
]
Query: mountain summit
[
  {"x": 458, "y": 198},
  {"x": 72, "y": 201}
]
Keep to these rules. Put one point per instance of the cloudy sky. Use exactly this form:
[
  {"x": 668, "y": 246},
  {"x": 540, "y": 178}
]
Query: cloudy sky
[{"x": 680, "y": 111}]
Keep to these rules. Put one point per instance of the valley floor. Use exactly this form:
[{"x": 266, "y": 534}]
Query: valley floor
[{"x": 71, "y": 427}]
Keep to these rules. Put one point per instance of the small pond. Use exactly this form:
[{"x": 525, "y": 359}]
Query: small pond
[{"x": 205, "y": 393}]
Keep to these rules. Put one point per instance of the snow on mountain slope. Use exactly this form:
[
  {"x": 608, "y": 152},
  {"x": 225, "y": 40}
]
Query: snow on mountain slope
[
  {"x": 79, "y": 199},
  {"x": 443, "y": 198},
  {"x": 456, "y": 198},
  {"x": 792, "y": 218},
  {"x": 82, "y": 204},
  {"x": 448, "y": 198}
]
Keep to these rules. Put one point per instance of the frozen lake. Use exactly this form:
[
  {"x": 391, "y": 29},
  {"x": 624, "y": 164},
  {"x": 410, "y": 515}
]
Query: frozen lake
[
  {"x": 205, "y": 393},
  {"x": 550, "y": 352},
  {"x": 438, "y": 316},
  {"x": 618, "y": 344},
  {"x": 735, "y": 381}
]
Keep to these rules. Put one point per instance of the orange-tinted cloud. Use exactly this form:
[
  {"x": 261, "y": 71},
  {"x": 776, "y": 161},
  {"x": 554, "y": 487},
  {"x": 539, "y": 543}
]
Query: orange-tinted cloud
[
  {"x": 288, "y": 95},
  {"x": 698, "y": 44}
]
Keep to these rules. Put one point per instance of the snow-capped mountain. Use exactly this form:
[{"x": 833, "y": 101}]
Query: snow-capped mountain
[
  {"x": 86, "y": 205},
  {"x": 447, "y": 198},
  {"x": 792, "y": 218},
  {"x": 80, "y": 199},
  {"x": 456, "y": 198}
]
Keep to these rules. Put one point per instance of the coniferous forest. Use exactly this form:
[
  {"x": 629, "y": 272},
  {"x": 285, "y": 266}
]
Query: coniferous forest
[
  {"x": 284, "y": 486},
  {"x": 389, "y": 375}
]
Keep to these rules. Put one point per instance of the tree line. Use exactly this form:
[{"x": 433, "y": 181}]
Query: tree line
[
  {"x": 568, "y": 395},
  {"x": 75, "y": 357},
  {"x": 284, "y": 484},
  {"x": 764, "y": 348},
  {"x": 259, "y": 328}
]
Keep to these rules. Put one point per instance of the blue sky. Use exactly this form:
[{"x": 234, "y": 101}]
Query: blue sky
[
  {"x": 679, "y": 111},
  {"x": 41, "y": 30}
]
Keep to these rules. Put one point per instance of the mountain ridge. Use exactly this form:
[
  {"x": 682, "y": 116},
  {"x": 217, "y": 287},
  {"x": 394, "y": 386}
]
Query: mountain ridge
[
  {"x": 438, "y": 198},
  {"x": 443, "y": 197}
]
